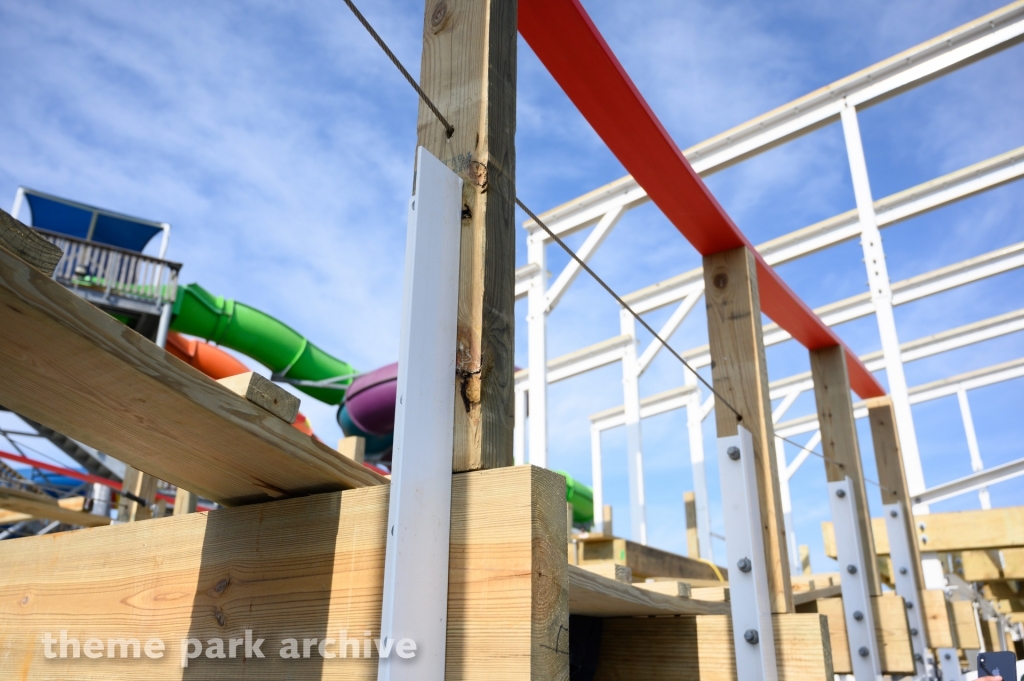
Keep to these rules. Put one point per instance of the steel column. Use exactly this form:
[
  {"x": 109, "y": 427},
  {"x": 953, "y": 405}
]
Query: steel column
[
  {"x": 634, "y": 446},
  {"x": 537, "y": 345}
]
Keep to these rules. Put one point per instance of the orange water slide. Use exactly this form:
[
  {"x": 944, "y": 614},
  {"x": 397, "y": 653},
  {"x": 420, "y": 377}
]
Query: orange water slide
[{"x": 216, "y": 364}]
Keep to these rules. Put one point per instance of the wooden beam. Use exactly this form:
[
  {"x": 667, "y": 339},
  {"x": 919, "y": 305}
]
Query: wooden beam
[
  {"x": 184, "y": 502},
  {"x": 620, "y": 573},
  {"x": 992, "y": 529},
  {"x": 646, "y": 561},
  {"x": 28, "y": 244},
  {"x": 264, "y": 393},
  {"x": 73, "y": 368},
  {"x": 839, "y": 445},
  {"x": 678, "y": 589},
  {"x": 937, "y": 619},
  {"x": 304, "y": 568},
  {"x": 353, "y": 447},
  {"x": 692, "y": 545},
  {"x": 141, "y": 486},
  {"x": 740, "y": 374},
  {"x": 802, "y": 597},
  {"x": 891, "y": 631},
  {"x": 965, "y": 625},
  {"x": 701, "y": 648},
  {"x": 32, "y": 505},
  {"x": 597, "y": 596},
  {"x": 608, "y": 529},
  {"x": 468, "y": 70},
  {"x": 805, "y": 559}
]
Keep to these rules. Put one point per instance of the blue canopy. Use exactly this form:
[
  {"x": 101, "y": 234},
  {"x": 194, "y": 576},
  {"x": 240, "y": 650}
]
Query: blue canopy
[{"x": 74, "y": 219}]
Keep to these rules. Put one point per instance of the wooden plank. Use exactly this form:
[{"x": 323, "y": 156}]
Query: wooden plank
[
  {"x": 710, "y": 593},
  {"x": 805, "y": 559},
  {"x": 67, "y": 503},
  {"x": 799, "y": 598},
  {"x": 937, "y": 619},
  {"x": 646, "y": 561},
  {"x": 839, "y": 445},
  {"x": 353, "y": 447},
  {"x": 740, "y": 374},
  {"x": 677, "y": 589},
  {"x": 997, "y": 528},
  {"x": 596, "y": 596},
  {"x": 891, "y": 631},
  {"x": 77, "y": 370},
  {"x": 701, "y": 648},
  {"x": 965, "y": 625},
  {"x": 28, "y": 244},
  {"x": 305, "y": 567},
  {"x": 141, "y": 486},
  {"x": 185, "y": 502},
  {"x": 44, "y": 507},
  {"x": 690, "y": 505},
  {"x": 810, "y": 582},
  {"x": 264, "y": 393},
  {"x": 620, "y": 573},
  {"x": 468, "y": 69}
]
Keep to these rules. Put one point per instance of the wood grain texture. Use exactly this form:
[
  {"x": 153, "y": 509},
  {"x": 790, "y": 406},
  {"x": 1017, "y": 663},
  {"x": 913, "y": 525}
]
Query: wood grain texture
[
  {"x": 353, "y": 447},
  {"x": 692, "y": 545},
  {"x": 701, "y": 648},
  {"x": 710, "y": 593},
  {"x": 468, "y": 69},
  {"x": 620, "y": 573},
  {"x": 184, "y": 502},
  {"x": 139, "y": 485},
  {"x": 891, "y": 631},
  {"x": 23, "y": 505},
  {"x": 938, "y": 620},
  {"x": 840, "y": 447},
  {"x": 29, "y": 245},
  {"x": 801, "y": 597},
  {"x": 263, "y": 392},
  {"x": 596, "y": 596},
  {"x": 644, "y": 561},
  {"x": 740, "y": 375},
  {"x": 73, "y": 368},
  {"x": 955, "y": 532},
  {"x": 964, "y": 625},
  {"x": 305, "y": 567},
  {"x": 677, "y": 589}
]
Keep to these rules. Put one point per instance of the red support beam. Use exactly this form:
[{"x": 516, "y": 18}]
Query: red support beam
[{"x": 565, "y": 39}]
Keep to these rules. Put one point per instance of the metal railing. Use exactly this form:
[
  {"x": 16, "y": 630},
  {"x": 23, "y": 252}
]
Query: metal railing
[{"x": 112, "y": 275}]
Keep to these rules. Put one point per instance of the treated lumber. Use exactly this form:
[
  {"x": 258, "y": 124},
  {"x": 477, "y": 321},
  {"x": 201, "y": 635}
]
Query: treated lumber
[
  {"x": 141, "y": 486},
  {"x": 645, "y": 561},
  {"x": 73, "y": 368},
  {"x": 678, "y": 589},
  {"x": 810, "y": 582},
  {"x": 965, "y": 625},
  {"x": 620, "y": 573},
  {"x": 28, "y": 244},
  {"x": 740, "y": 376},
  {"x": 32, "y": 505},
  {"x": 805, "y": 559},
  {"x": 690, "y": 505},
  {"x": 596, "y": 596},
  {"x": 997, "y": 528},
  {"x": 891, "y": 631},
  {"x": 801, "y": 597},
  {"x": 710, "y": 593},
  {"x": 303, "y": 567},
  {"x": 263, "y": 392},
  {"x": 839, "y": 445},
  {"x": 937, "y": 619},
  {"x": 701, "y": 648},
  {"x": 353, "y": 447},
  {"x": 468, "y": 69},
  {"x": 184, "y": 502}
]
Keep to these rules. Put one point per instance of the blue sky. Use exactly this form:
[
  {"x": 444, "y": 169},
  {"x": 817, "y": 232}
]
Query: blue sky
[{"x": 278, "y": 141}]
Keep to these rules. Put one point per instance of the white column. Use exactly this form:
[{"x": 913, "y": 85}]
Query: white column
[
  {"x": 537, "y": 345},
  {"x": 634, "y": 454},
  {"x": 881, "y": 296},
  {"x": 519, "y": 431},
  {"x": 597, "y": 477},
  {"x": 787, "y": 506},
  {"x": 19, "y": 200},
  {"x": 972, "y": 445},
  {"x": 695, "y": 430}
]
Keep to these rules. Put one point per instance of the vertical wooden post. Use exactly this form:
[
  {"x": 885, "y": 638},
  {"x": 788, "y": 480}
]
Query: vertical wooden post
[
  {"x": 142, "y": 486},
  {"x": 740, "y": 375},
  {"x": 839, "y": 444},
  {"x": 184, "y": 502},
  {"x": 468, "y": 70},
  {"x": 805, "y": 559},
  {"x": 891, "y": 477},
  {"x": 692, "y": 545}
]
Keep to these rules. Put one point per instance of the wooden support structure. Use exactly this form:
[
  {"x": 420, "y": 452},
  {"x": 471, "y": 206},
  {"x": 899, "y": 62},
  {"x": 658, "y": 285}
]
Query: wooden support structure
[
  {"x": 468, "y": 70},
  {"x": 595, "y": 595},
  {"x": 891, "y": 631},
  {"x": 77, "y": 370},
  {"x": 353, "y": 447},
  {"x": 692, "y": 545},
  {"x": 937, "y": 619},
  {"x": 740, "y": 375},
  {"x": 965, "y": 625},
  {"x": 264, "y": 393},
  {"x": 28, "y": 244},
  {"x": 839, "y": 445},
  {"x": 184, "y": 502},
  {"x": 18, "y": 505},
  {"x": 309, "y": 567},
  {"x": 140, "y": 486},
  {"x": 805, "y": 559},
  {"x": 646, "y": 561}
]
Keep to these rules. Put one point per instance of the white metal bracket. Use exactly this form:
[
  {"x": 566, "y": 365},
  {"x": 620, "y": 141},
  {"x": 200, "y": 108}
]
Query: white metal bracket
[
  {"x": 949, "y": 663},
  {"x": 860, "y": 619},
  {"x": 752, "y": 633},
  {"x": 415, "y": 604},
  {"x": 905, "y": 579}
]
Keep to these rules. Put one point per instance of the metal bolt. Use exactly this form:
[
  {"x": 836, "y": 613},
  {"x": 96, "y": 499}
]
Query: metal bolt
[
  {"x": 734, "y": 453},
  {"x": 947, "y": 656},
  {"x": 910, "y": 605},
  {"x": 852, "y": 569},
  {"x": 918, "y": 658},
  {"x": 920, "y": 526},
  {"x": 903, "y": 570},
  {"x": 863, "y": 651},
  {"x": 858, "y": 615},
  {"x": 913, "y": 632},
  {"x": 750, "y": 636},
  {"x": 744, "y": 565},
  {"x": 840, "y": 493},
  {"x": 924, "y": 538},
  {"x": 893, "y": 514}
]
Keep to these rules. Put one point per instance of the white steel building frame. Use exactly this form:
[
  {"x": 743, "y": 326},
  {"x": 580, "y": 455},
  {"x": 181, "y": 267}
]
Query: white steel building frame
[{"x": 838, "y": 102}]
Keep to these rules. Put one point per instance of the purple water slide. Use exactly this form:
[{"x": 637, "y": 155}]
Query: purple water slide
[{"x": 370, "y": 400}]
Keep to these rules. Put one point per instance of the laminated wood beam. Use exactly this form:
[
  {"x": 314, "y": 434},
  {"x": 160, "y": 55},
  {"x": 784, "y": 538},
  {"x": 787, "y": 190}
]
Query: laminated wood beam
[
  {"x": 73, "y": 368},
  {"x": 594, "y": 595},
  {"x": 303, "y": 568},
  {"x": 839, "y": 444},
  {"x": 701, "y": 648},
  {"x": 646, "y": 561},
  {"x": 740, "y": 374},
  {"x": 891, "y": 631},
  {"x": 468, "y": 70},
  {"x": 18, "y": 505}
]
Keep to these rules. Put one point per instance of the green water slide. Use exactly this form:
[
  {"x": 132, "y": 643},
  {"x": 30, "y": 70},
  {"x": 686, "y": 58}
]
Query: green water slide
[{"x": 286, "y": 352}]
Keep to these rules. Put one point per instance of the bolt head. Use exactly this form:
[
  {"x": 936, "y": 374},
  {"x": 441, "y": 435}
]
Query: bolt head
[
  {"x": 947, "y": 656},
  {"x": 913, "y": 632},
  {"x": 903, "y": 570},
  {"x": 750, "y": 636},
  {"x": 918, "y": 658},
  {"x": 852, "y": 569},
  {"x": 910, "y": 606},
  {"x": 893, "y": 514},
  {"x": 863, "y": 651},
  {"x": 734, "y": 453},
  {"x": 744, "y": 564},
  {"x": 858, "y": 615},
  {"x": 840, "y": 493},
  {"x": 924, "y": 538}
]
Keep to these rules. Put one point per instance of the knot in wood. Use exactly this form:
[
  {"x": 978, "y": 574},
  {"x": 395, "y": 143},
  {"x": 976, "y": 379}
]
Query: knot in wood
[
  {"x": 721, "y": 280},
  {"x": 437, "y": 17}
]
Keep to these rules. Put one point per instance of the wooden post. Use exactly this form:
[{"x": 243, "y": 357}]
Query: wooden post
[
  {"x": 692, "y": 545},
  {"x": 354, "y": 447},
  {"x": 607, "y": 515},
  {"x": 891, "y": 478},
  {"x": 184, "y": 502},
  {"x": 142, "y": 486},
  {"x": 805, "y": 559},
  {"x": 468, "y": 70},
  {"x": 740, "y": 375},
  {"x": 839, "y": 444}
]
